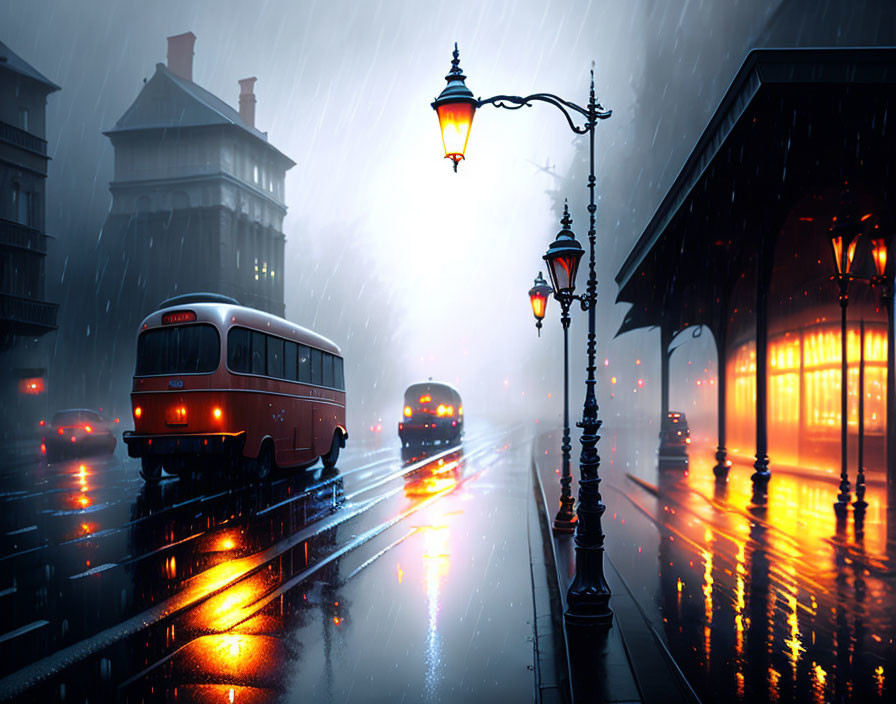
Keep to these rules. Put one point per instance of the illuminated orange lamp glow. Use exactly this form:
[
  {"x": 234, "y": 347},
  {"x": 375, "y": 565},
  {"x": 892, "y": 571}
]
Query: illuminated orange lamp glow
[
  {"x": 425, "y": 399},
  {"x": 217, "y": 413},
  {"x": 539, "y": 304},
  {"x": 455, "y": 107},
  {"x": 841, "y": 261},
  {"x": 879, "y": 255},
  {"x": 88, "y": 429},
  {"x": 538, "y": 298},
  {"x": 407, "y": 411},
  {"x": 441, "y": 410},
  {"x": 138, "y": 412},
  {"x": 455, "y": 121}
]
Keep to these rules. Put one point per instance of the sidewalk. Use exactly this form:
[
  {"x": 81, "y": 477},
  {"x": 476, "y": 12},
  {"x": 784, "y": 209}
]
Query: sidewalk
[
  {"x": 627, "y": 663},
  {"x": 720, "y": 599}
]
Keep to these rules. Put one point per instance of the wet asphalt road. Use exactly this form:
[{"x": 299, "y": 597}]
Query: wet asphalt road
[{"x": 385, "y": 580}]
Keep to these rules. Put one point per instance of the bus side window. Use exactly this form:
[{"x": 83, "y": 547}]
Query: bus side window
[
  {"x": 238, "y": 350},
  {"x": 338, "y": 373},
  {"x": 317, "y": 372},
  {"x": 304, "y": 364},
  {"x": 290, "y": 357},
  {"x": 259, "y": 354},
  {"x": 275, "y": 357},
  {"x": 328, "y": 370}
]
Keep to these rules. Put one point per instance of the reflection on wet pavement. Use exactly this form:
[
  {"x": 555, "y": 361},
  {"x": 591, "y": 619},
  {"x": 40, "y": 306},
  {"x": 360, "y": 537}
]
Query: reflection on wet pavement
[
  {"x": 194, "y": 589},
  {"x": 756, "y": 602}
]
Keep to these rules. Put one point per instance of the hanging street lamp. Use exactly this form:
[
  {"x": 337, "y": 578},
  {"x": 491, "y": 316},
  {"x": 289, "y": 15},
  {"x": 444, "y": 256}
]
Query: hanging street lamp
[
  {"x": 563, "y": 258},
  {"x": 538, "y": 298},
  {"x": 844, "y": 236},
  {"x": 588, "y": 597},
  {"x": 455, "y": 107}
]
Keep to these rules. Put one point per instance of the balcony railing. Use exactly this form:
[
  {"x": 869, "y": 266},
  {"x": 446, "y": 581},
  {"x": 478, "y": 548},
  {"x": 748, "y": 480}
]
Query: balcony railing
[
  {"x": 21, "y": 138},
  {"x": 26, "y": 314},
  {"x": 12, "y": 234}
]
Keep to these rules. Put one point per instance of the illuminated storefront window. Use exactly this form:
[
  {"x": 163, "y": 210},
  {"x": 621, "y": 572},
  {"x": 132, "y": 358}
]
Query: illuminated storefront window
[{"x": 804, "y": 384}]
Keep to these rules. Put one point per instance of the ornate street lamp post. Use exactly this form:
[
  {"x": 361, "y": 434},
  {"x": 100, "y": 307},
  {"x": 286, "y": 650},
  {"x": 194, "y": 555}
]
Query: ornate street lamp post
[
  {"x": 883, "y": 278},
  {"x": 843, "y": 245},
  {"x": 563, "y": 263},
  {"x": 588, "y": 598}
]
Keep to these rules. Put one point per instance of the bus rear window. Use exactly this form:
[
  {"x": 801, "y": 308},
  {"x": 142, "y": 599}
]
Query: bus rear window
[{"x": 185, "y": 349}]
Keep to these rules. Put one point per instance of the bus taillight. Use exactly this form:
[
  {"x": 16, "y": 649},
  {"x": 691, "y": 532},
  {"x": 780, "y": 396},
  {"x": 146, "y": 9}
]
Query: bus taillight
[
  {"x": 217, "y": 413},
  {"x": 138, "y": 412}
]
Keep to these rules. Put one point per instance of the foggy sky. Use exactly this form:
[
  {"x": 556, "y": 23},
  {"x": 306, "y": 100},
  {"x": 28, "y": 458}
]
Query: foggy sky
[{"x": 442, "y": 261}]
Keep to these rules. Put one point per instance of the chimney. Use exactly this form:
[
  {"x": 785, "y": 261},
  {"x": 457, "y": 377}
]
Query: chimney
[
  {"x": 247, "y": 100},
  {"x": 180, "y": 55}
]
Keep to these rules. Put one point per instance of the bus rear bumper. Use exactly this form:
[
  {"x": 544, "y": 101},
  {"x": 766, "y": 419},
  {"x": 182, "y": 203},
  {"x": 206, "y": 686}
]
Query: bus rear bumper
[{"x": 185, "y": 444}]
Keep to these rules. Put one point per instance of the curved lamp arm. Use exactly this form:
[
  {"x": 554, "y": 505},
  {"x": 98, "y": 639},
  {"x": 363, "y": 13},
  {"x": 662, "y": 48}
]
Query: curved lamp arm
[{"x": 515, "y": 102}]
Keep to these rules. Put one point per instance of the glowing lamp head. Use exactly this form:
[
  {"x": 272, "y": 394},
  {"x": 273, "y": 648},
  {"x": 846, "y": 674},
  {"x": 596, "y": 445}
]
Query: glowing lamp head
[
  {"x": 844, "y": 236},
  {"x": 138, "y": 412},
  {"x": 407, "y": 411},
  {"x": 455, "y": 107},
  {"x": 563, "y": 258},
  {"x": 538, "y": 297},
  {"x": 217, "y": 413},
  {"x": 879, "y": 255}
]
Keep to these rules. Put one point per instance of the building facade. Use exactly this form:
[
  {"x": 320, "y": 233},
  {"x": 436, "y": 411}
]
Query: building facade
[
  {"x": 25, "y": 314},
  {"x": 741, "y": 246},
  {"x": 197, "y": 205}
]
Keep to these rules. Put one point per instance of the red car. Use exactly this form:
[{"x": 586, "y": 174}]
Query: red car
[{"x": 77, "y": 432}]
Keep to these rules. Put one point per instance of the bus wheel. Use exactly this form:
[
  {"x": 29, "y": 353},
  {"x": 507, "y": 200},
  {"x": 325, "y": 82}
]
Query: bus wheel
[
  {"x": 151, "y": 469},
  {"x": 332, "y": 457},
  {"x": 264, "y": 465}
]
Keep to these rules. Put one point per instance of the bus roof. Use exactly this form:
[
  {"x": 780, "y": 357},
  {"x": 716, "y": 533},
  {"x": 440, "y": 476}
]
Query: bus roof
[
  {"x": 431, "y": 387},
  {"x": 224, "y": 316}
]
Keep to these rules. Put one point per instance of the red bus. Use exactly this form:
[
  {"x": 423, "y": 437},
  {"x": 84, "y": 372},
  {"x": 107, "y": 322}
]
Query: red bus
[{"x": 218, "y": 381}]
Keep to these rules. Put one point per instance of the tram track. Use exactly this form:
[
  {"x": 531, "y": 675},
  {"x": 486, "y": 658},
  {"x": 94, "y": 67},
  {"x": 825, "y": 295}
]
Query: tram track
[{"x": 202, "y": 587}]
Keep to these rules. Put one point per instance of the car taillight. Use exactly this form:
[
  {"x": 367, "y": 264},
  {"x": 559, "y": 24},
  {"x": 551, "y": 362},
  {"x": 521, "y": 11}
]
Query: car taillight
[
  {"x": 61, "y": 431},
  {"x": 88, "y": 428}
]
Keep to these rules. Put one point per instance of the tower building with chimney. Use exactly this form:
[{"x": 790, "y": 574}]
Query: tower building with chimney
[
  {"x": 197, "y": 196},
  {"x": 197, "y": 205}
]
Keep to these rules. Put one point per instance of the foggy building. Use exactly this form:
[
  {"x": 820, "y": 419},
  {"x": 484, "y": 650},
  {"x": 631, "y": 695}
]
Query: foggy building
[
  {"x": 197, "y": 195},
  {"x": 25, "y": 315},
  {"x": 197, "y": 204}
]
